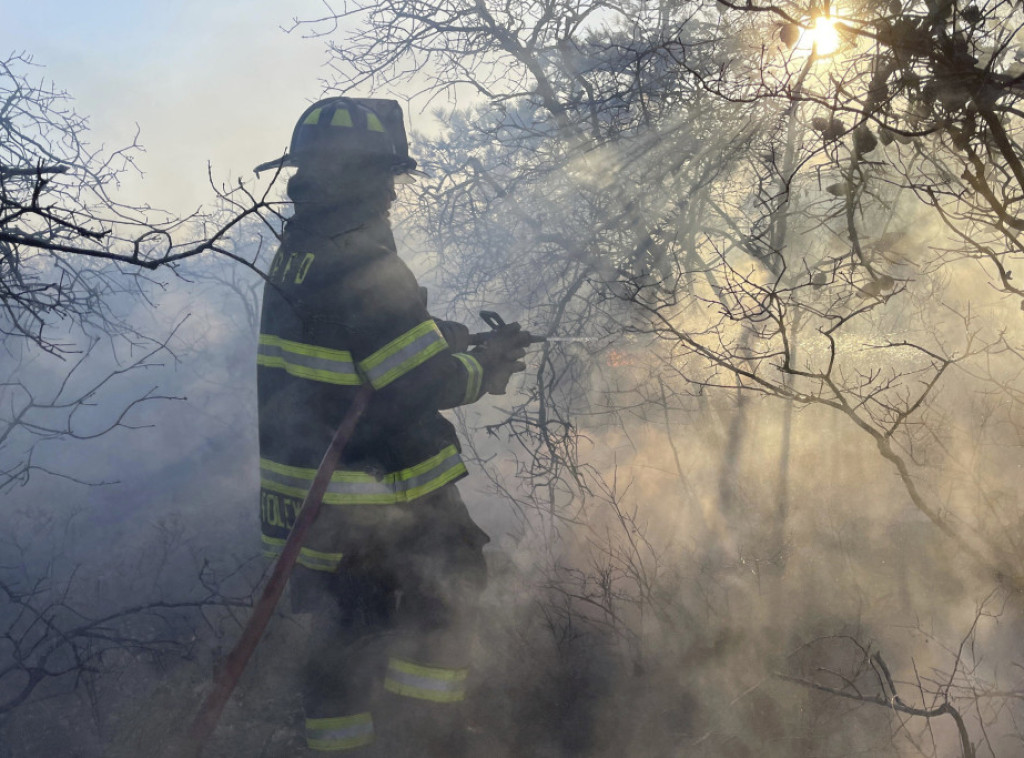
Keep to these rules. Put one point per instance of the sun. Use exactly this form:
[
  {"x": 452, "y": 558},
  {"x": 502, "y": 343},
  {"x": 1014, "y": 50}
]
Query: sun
[{"x": 822, "y": 37}]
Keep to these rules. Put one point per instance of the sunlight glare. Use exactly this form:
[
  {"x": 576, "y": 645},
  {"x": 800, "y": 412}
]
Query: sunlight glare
[{"x": 822, "y": 35}]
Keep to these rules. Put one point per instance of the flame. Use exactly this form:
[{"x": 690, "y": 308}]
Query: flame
[{"x": 619, "y": 358}]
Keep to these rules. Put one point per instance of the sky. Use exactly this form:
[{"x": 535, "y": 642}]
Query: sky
[{"x": 207, "y": 81}]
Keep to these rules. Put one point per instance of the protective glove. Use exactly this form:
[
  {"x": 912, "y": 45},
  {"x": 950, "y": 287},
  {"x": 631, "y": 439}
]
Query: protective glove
[
  {"x": 455, "y": 334},
  {"x": 501, "y": 356}
]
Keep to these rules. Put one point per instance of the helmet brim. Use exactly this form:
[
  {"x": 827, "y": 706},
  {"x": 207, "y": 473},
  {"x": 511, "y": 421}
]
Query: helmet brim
[
  {"x": 408, "y": 176},
  {"x": 277, "y": 164}
]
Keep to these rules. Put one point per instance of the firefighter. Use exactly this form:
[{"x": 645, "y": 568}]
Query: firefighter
[{"x": 393, "y": 566}]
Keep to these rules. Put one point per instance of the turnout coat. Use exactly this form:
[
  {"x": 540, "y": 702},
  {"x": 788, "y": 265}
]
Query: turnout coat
[{"x": 341, "y": 309}]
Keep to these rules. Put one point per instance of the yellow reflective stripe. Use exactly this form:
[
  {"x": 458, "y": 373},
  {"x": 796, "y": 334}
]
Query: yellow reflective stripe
[
  {"x": 403, "y": 354},
  {"x": 303, "y": 348},
  {"x": 320, "y": 364},
  {"x": 341, "y": 117},
  {"x": 313, "y": 117},
  {"x": 360, "y": 488},
  {"x": 341, "y": 733},
  {"x": 373, "y": 123},
  {"x": 311, "y": 559},
  {"x": 440, "y": 685},
  {"x": 474, "y": 377}
]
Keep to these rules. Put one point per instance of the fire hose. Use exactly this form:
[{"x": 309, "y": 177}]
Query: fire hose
[{"x": 228, "y": 673}]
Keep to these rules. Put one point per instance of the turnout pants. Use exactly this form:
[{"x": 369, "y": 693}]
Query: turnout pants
[{"x": 391, "y": 629}]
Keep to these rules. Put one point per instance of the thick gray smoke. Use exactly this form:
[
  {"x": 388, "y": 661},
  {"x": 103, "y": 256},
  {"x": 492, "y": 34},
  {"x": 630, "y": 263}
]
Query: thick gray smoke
[{"x": 768, "y": 504}]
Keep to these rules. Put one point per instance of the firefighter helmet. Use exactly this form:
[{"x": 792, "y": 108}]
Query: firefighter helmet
[{"x": 349, "y": 129}]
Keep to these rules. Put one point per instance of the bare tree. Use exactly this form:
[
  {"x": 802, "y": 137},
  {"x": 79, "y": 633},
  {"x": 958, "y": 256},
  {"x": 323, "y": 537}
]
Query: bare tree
[
  {"x": 622, "y": 115},
  {"x": 729, "y": 215},
  {"x": 948, "y": 684},
  {"x": 72, "y": 259},
  {"x": 51, "y": 642}
]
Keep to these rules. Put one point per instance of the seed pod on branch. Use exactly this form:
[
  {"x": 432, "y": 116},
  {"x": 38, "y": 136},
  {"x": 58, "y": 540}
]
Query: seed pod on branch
[
  {"x": 790, "y": 35},
  {"x": 876, "y": 287},
  {"x": 971, "y": 15},
  {"x": 864, "y": 139},
  {"x": 835, "y": 130}
]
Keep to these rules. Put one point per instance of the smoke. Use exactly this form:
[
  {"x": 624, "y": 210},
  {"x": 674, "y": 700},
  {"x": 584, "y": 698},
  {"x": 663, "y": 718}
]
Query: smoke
[
  {"x": 635, "y": 614},
  {"x": 148, "y": 525},
  {"x": 771, "y": 507},
  {"x": 712, "y": 555}
]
